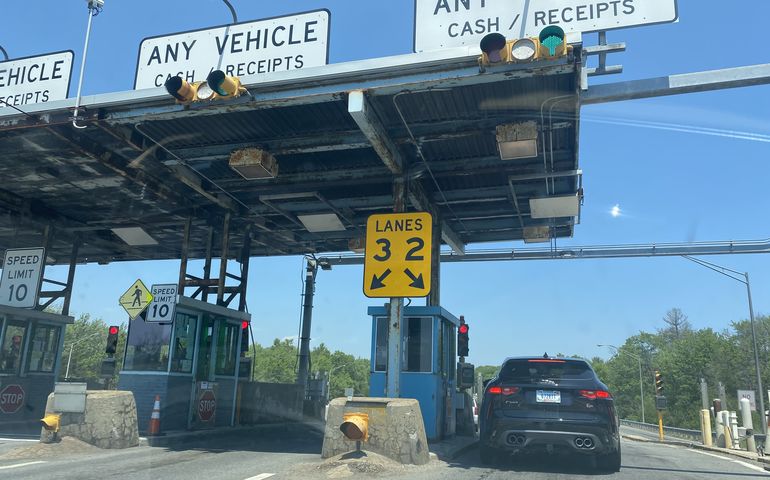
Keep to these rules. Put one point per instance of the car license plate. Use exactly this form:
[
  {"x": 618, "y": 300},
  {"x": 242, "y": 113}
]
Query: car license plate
[{"x": 548, "y": 396}]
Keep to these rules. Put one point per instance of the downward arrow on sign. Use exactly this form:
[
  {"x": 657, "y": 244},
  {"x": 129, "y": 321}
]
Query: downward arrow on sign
[
  {"x": 416, "y": 281},
  {"x": 377, "y": 281}
]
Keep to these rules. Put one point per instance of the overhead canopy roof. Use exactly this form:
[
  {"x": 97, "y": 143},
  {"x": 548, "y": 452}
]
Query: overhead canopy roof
[{"x": 331, "y": 160}]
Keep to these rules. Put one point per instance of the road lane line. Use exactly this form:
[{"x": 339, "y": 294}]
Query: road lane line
[
  {"x": 261, "y": 476},
  {"x": 3, "y": 439},
  {"x": 709, "y": 454},
  {"x": 8, "y": 467},
  {"x": 748, "y": 465}
]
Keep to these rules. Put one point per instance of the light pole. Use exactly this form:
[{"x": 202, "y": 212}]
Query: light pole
[
  {"x": 329, "y": 380},
  {"x": 641, "y": 382},
  {"x": 745, "y": 280},
  {"x": 69, "y": 359}
]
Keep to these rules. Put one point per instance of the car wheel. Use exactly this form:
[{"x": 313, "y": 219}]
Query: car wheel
[{"x": 488, "y": 455}]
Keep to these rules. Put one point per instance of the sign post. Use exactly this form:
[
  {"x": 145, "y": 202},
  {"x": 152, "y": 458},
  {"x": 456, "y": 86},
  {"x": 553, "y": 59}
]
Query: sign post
[
  {"x": 136, "y": 299},
  {"x": 450, "y": 23},
  {"x": 162, "y": 309},
  {"x": 277, "y": 44},
  {"x": 22, "y": 275}
]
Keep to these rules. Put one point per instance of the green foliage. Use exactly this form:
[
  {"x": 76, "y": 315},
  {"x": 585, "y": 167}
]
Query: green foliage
[
  {"x": 87, "y": 338},
  {"x": 278, "y": 364},
  {"x": 684, "y": 356},
  {"x": 487, "y": 371}
]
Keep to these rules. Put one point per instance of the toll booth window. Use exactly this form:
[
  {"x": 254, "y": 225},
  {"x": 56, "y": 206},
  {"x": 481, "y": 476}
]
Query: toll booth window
[
  {"x": 418, "y": 344},
  {"x": 147, "y": 347},
  {"x": 381, "y": 345},
  {"x": 184, "y": 343},
  {"x": 228, "y": 337},
  {"x": 45, "y": 343},
  {"x": 13, "y": 342}
]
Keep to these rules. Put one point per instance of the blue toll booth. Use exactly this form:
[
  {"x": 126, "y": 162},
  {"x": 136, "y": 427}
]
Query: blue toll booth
[{"x": 428, "y": 363}]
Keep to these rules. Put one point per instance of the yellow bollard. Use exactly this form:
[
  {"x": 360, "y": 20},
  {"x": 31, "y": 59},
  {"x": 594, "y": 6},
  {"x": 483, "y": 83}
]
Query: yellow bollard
[{"x": 705, "y": 426}]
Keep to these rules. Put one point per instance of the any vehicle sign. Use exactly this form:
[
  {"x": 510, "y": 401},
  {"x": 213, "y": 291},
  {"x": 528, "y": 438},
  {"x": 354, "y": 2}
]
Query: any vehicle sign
[
  {"x": 40, "y": 79},
  {"x": 458, "y": 23},
  {"x": 243, "y": 50}
]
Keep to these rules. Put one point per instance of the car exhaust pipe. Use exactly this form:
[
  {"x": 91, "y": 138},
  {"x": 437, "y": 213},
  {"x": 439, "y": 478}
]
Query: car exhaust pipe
[
  {"x": 521, "y": 439},
  {"x": 588, "y": 443},
  {"x": 512, "y": 439},
  {"x": 579, "y": 442}
]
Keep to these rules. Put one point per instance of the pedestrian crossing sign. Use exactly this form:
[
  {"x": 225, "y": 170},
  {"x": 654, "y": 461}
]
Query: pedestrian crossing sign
[{"x": 136, "y": 299}]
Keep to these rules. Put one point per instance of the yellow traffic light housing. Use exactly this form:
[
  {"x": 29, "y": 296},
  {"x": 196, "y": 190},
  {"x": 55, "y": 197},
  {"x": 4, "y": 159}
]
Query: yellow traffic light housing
[
  {"x": 495, "y": 49},
  {"x": 658, "y": 383},
  {"x": 51, "y": 422},
  {"x": 553, "y": 42},
  {"x": 355, "y": 426},
  {"x": 218, "y": 85},
  {"x": 550, "y": 44}
]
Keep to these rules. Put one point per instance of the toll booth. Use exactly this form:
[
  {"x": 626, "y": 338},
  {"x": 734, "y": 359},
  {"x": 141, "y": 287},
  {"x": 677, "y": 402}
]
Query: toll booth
[
  {"x": 31, "y": 345},
  {"x": 428, "y": 364},
  {"x": 192, "y": 364}
]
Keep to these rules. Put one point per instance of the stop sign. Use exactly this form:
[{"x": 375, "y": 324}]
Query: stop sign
[
  {"x": 11, "y": 398},
  {"x": 207, "y": 405}
]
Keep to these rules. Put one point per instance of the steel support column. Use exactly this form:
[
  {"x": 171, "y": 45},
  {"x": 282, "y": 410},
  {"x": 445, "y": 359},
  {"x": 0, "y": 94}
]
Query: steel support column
[
  {"x": 395, "y": 309},
  {"x": 184, "y": 256},
  {"x": 245, "y": 256},
  {"x": 434, "y": 298},
  {"x": 223, "y": 260},
  {"x": 307, "y": 318},
  {"x": 71, "y": 276}
]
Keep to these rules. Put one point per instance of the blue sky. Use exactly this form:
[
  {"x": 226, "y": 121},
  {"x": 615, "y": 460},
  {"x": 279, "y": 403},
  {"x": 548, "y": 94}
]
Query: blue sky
[{"x": 671, "y": 186}]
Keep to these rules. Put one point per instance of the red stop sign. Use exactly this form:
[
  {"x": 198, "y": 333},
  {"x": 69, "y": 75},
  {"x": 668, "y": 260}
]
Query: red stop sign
[
  {"x": 11, "y": 398},
  {"x": 207, "y": 405}
]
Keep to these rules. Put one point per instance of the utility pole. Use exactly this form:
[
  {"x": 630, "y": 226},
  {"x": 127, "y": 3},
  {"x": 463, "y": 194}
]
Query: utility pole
[{"x": 307, "y": 317}]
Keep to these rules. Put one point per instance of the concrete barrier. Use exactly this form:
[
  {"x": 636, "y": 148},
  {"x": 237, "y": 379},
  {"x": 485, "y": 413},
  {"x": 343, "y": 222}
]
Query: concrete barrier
[
  {"x": 270, "y": 402},
  {"x": 396, "y": 429},
  {"x": 109, "y": 420}
]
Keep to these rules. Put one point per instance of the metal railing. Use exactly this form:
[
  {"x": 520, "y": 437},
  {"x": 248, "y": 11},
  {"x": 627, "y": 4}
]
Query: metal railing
[{"x": 680, "y": 433}]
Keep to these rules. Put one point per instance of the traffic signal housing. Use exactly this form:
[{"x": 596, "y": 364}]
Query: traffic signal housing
[
  {"x": 244, "y": 338},
  {"x": 112, "y": 340},
  {"x": 462, "y": 340},
  {"x": 551, "y": 43},
  {"x": 658, "y": 383},
  {"x": 218, "y": 85}
]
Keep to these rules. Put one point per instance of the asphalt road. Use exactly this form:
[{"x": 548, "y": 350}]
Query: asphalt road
[{"x": 293, "y": 452}]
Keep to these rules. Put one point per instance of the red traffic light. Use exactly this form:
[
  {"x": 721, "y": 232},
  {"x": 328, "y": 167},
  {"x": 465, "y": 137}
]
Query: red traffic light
[
  {"x": 113, "y": 330},
  {"x": 463, "y": 329},
  {"x": 244, "y": 325}
]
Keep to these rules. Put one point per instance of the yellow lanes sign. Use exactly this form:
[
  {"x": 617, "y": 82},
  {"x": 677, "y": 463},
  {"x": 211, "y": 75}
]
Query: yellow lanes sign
[
  {"x": 136, "y": 299},
  {"x": 398, "y": 248}
]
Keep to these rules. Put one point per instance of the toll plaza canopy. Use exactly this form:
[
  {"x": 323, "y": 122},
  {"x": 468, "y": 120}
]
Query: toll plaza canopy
[{"x": 126, "y": 185}]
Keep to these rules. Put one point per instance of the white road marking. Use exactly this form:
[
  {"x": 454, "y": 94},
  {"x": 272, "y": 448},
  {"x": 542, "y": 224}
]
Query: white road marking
[
  {"x": 8, "y": 467},
  {"x": 261, "y": 476},
  {"x": 19, "y": 439},
  {"x": 748, "y": 465},
  {"x": 739, "y": 462}
]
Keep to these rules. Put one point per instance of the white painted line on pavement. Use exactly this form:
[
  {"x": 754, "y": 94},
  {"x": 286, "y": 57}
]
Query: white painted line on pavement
[
  {"x": 748, "y": 465},
  {"x": 261, "y": 476},
  {"x": 709, "y": 454},
  {"x": 19, "y": 439},
  {"x": 8, "y": 467}
]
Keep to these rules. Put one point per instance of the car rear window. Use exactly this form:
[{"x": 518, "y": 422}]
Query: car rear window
[{"x": 535, "y": 370}]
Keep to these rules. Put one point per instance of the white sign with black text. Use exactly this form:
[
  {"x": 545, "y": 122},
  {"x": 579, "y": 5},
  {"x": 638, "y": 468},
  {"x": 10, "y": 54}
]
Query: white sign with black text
[
  {"x": 162, "y": 309},
  {"x": 459, "y": 23},
  {"x": 40, "y": 79},
  {"x": 751, "y": 396},
  {"x": 243, "y": 49},
  {"x": 22, "y": 275}
]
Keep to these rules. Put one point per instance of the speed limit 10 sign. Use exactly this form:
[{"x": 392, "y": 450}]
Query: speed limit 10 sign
[
  {"x": 398, "y": 255},
  {"x": 163, "y": 306},
  {"x": 22, "y": 274}
]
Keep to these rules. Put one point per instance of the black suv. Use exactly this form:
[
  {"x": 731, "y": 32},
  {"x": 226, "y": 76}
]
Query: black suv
[{"x": 543, "y": 403}]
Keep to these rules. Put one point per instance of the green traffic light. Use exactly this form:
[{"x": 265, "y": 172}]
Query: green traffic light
[{"x": 552, "y": 37}]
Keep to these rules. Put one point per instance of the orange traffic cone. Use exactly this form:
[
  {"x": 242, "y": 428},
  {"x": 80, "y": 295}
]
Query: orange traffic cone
[{"x": 154, "y": 427}]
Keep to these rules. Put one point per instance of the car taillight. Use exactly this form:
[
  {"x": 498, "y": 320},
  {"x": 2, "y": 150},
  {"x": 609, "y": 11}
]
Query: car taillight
[
  {"x": 594, "y": 394},
  {"x": 504, "y": 390}
]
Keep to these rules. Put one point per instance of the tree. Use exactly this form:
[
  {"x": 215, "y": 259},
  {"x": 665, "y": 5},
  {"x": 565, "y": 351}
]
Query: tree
[
  {"x": 677, "y": 323},
  {"x": 87, "y": 338},
  {"x": 487, "y": 371}
]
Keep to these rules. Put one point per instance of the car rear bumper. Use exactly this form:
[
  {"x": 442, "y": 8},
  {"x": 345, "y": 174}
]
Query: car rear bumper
[{"x": 583, "y": 439}]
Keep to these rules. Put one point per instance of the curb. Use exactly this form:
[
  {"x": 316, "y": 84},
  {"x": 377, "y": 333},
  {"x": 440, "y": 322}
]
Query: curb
[{"x": 681, "y": 443}]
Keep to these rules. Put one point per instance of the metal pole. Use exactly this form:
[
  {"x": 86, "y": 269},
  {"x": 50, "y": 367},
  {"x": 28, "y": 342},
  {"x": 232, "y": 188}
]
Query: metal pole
[
  {"x": 641, "y": 386},
  {"x": 307, "y": 318},
  {"x": 69, "y": 360},
  {"x": 91, "y": 13},
  {"x": 71, "y": 276},
  {"x": 756, "y": 358},
  {"x": 223, "y": 260},
  {"x": 395, "y": 310},
  {"x": 660, "y": 425}
]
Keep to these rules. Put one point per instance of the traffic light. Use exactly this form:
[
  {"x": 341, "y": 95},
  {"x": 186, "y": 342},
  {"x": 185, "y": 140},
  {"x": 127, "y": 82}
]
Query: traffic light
[
  {"x": 550, "y": 44},
  {"x": 355, "y": 426},
  {"x": 244, "y": 337},
  {"x": 658, "y": 383},
  {"x": 217, "y": 86},
  {"x": 112, "y": 340},
  {"x": 462, "y": 340}
]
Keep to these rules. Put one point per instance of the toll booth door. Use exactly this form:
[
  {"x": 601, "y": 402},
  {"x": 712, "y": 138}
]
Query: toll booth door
[
  {"x": 205, "y": 349},
  {"x": 448, "y": 365}
]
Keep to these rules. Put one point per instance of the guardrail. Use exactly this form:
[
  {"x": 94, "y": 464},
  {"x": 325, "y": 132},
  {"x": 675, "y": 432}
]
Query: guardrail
[{"x": 681, "y": 433}]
